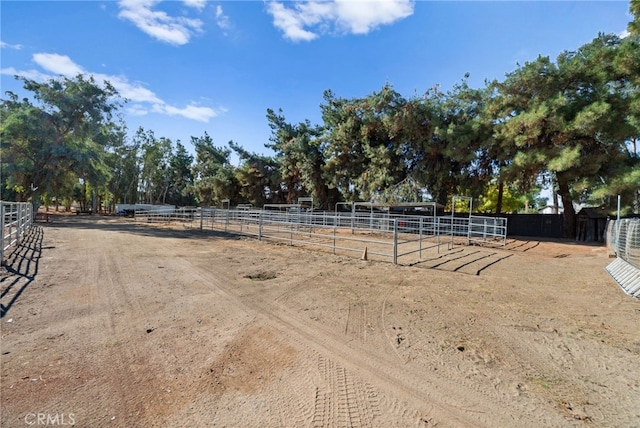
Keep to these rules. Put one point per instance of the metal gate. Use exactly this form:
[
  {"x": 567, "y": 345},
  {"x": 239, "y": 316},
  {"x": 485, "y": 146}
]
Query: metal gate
[{"x": 623, "y": 238}]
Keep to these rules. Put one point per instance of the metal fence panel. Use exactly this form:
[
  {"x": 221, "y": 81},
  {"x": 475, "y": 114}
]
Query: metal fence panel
[
  {"x": 488, "y": 229},
  {"x": 15, "y": 220},
  {"x": 623, "y": 238},
  {"x": 388, "y": 236}
]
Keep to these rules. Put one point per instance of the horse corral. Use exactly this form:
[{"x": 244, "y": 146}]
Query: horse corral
[{"x": 123, "y": 322}]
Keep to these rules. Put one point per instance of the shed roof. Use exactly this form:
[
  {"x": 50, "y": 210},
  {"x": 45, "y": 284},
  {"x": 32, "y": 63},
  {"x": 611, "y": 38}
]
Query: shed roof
[{"x": 592, "y": 212}]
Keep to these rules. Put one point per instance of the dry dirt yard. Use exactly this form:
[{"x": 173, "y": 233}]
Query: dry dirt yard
[{"x": 108, "y": 323}]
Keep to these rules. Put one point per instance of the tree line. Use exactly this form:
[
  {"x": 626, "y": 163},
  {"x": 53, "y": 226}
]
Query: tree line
[{"x": 571, "y": 125}]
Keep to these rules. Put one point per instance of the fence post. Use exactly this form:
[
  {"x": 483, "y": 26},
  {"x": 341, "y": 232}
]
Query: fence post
[
  {"x": 485, "y": 230},
  {"x": 11, "y": 224},
  {"x": 260, "y": 226},
  {"x": 395, "y": 241},
  {"x": 18, "y": 224},
  {"x": 353, "y": 219},
  {"x": 334, "y": 239},
  {"x": 420, "y": 239},
  {"x": 201, "y": 217},
  {"x": 438, "y": 233}
]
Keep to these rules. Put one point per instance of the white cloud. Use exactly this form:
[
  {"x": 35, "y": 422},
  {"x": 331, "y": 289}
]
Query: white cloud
[
  {"x": 5, "y": 45},
  {"x": 57, "y": 64},
  {"x": 360, "y": 17},
  {"x": 308, "y": 20},
  {"x": 624, "y": 34},
  {"x": 131, "y": 91},
  {"x": 196, "y": 4},
  {"x": 27, "y": 74},
  {"x": 290, "y": 22},
  {"x": 144, "y": 100},
  {"x": 194, "y": 112},
  {"x": 158, "y": 24},
  {"x": 137, "y": 110},
  {"x": 221, "y": 19}
]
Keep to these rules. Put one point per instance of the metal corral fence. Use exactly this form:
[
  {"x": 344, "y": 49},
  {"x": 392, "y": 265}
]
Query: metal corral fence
[
  {"x": 381, "y": 236},
  {"x": 15, "y": 220},
  {"x": 623, "y": 238}
]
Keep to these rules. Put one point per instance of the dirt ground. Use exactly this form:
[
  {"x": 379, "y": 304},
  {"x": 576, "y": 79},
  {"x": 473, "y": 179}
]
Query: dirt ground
[{"x": 110, "y": 323}]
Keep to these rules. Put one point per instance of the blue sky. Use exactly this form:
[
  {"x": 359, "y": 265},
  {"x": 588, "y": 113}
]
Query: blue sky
[{"x": 190, "y": 67}]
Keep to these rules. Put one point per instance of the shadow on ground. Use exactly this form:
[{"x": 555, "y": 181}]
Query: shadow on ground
[
  {"x": 20, "y": 269},
  {"x": 128, "y": 225}
]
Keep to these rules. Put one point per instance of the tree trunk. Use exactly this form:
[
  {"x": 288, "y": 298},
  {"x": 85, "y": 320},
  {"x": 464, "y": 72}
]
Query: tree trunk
[
  {"x": 569, "y": 215},
  {"x": 500, "y": 195},
  {"x": 554, "y": 190},
  {"x": 36, "y": 200}
]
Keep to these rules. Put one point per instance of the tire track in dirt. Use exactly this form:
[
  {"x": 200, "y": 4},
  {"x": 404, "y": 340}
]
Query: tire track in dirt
[
  {"x": 432, "y": 399},
  {"x": 314, "y": 340},
  {"x": 343, "y": 400},
  {"x": 104, "y": 374},
  {"x": 330, "y": 395},
  {"x": 433, "y": 383},
  {"x": 131, "y": 377},
  {"x": 356, "y": 324}
]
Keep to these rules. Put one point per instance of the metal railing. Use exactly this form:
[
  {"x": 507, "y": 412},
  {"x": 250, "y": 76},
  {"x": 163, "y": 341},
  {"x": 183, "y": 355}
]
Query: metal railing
[
  {"x": 488, "y": 229},
  {"x": 166, "y": 215},
  {"x": 15, "y": 220},
  {"x": 376, "y": 234},
  {"x": 623, "y": 239}
]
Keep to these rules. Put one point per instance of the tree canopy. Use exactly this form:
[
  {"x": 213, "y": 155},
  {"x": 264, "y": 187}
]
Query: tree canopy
[{"x": 64, "y": 131}]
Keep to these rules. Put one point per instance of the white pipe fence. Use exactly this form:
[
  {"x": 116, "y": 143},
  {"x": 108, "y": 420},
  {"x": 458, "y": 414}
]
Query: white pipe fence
[
  {"x": 15, "y": 220},
  {"x": 623, "y": 238},
  {"x": 383, "y": 236}
]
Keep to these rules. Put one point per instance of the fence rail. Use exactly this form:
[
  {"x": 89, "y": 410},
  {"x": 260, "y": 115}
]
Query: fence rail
[
  {"x": 623, "y": 239},
  {"x": 384, "y": 236},
  {"x": 15, "y": 220}
]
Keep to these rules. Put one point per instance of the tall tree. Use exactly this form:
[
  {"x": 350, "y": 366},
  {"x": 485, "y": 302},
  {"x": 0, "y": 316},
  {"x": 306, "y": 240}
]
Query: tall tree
[
  {"x": 181, "y": 177},
  {"x": 154, "y": 169},
  {"x": 300, "y": 152},
  {"x": 367, "y": 145},
  {"x": 568, "y": 119},
  {"x": 259, "y": 178},
  {"x": 125, "y": 166},
  {"x": 214, "y": 179},
  {"x": 283, "y": 137},
  {"x": 345, "y": 153},
  {"x": 66, "y": 128},
  {"x": 458, "y": 150}
]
